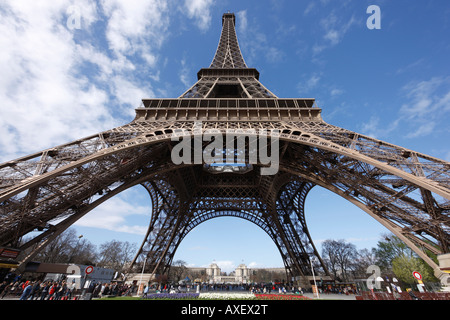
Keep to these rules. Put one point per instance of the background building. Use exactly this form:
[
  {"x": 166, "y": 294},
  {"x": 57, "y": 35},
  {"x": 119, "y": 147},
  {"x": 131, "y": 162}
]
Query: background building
[{"x": 240, "y": 275}]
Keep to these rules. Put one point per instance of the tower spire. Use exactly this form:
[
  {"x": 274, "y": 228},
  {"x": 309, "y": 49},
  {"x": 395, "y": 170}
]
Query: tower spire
[
  {"x": 228, "y": 76},
  {"x": 228, "y": 54}
]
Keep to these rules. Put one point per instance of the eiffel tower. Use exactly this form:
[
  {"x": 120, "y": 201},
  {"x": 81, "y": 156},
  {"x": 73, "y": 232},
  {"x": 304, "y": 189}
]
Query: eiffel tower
[{"x": 406, "y": 191}]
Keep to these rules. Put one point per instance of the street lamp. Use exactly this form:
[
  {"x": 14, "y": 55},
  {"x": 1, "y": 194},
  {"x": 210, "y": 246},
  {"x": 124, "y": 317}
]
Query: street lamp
[
  {"x": 142, "y": 274},
  {"x": 75, "y": 248},
  {"x": 314, "y": 278}
]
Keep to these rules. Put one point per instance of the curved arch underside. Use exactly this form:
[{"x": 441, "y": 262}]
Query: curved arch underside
[{"x": 407, "y": 192}]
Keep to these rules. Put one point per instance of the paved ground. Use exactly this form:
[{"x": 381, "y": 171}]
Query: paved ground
[{"x": 332, "y": 296}]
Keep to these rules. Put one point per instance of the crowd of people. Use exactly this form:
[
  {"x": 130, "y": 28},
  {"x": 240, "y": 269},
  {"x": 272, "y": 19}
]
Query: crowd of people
[
  {"x": 37, "y": 290},
  {"x": 60, "y": 290},
  {"x": 65, "y": 289}
]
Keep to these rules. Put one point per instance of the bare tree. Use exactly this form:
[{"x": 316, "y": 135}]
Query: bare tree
[
  {"x": 84, "y": 252},
  {"x": 340, "y": 258},
  {"x": 115, "y": 254},
  {"x": 364, "y": 259},
  {"x": 178, "y": 270},
  {"x": 60, "y": 249},
  {"x": 68, "y": 247}
]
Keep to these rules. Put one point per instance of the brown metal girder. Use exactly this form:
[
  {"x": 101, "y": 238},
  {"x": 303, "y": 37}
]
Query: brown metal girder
[
  {"x": 169, "y": 216},
  {"x": 292, "y": 233},
  {"x": 64, "y": 205},
  {"x": 81, "y": 212},
  {"x": 375, "y": 183},
  {"x": 405, "y": 217},
  {"x": 162, "y": 256},
  {"x": 197, "y": 220},
  {"x": 55, "y": 230},
  {"x": 301, "y": 218},
  {"x": 273, "y": 214},
  {"x": 305, "y": 139},
  {"x": 388, "y": 224},
  {"x": 285, "y": 243}
]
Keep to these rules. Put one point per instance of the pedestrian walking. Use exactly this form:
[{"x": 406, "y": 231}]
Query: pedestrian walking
[
  {"x": 61, "y": 291},
  {"x": 7, "y": 289},
  {"x": 395, "y": 293},
  {"x": 411, "y": 293},
  {"x": 45, "y": 289},
  {"x": 35, "y": 290},
  {"x": 71, "y": 290},
  {"x": 3, "y": 286},
  {"x": 52, "y": 291},
  {"x": 145, "y": 292},
  {"x": 26, "y": 291}
]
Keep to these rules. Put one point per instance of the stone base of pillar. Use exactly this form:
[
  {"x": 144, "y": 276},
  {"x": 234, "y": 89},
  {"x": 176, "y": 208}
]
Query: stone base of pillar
[{"x": 444, "y": 273}]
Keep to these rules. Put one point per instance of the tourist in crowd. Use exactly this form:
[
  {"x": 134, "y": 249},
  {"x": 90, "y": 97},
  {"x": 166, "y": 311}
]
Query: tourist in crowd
[
  {"x": 45, "y": 289},
  {"x": 28, "y": 286},
  {"x": 35, "y": 290}
]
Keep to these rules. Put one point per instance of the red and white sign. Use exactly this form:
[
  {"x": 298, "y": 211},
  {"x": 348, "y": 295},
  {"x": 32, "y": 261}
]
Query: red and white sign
[
  {"x": 417, "y": 275},
  {"x": 89, "y": 270}
]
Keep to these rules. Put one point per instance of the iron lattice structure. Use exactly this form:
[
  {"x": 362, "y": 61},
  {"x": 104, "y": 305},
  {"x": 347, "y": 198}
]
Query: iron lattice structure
[{"x": 404, "y": 190}]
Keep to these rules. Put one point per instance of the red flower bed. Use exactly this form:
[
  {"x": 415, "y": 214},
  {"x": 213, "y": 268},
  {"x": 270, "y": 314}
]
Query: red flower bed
[{"x": 280, "y": 297}]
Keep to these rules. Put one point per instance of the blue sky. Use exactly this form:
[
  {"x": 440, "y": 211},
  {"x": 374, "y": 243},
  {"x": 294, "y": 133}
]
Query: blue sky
[{"x": 77, "y": 67}]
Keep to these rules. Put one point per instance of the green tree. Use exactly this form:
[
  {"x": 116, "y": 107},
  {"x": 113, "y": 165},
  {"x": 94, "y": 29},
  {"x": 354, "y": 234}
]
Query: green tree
[
  {"x": 393, "y": 255},
  {"x": 403, "y": 267},
  {"x": 390, "y": 248}
]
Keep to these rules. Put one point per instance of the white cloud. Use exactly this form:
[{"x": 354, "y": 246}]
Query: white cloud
[
  {"x": 184, "y": 74},
  {"x": 424, "y": 96},
  {"x": 38, "y": 87},
  {"x": 200, "y": 11},
  {"x": 335, "y": 28},
  {"x": 309, "y": 8},
  {"x": 254, "y": 43},
  {"x": 274, "y": 54},
  {"x": 241, "y": 16},
  {"x": 371, "y": 128},
  {"x": 336, "y": 92},
  {"x": 134, "y": 22},
  {"x": 122, "y": 213},
  {"x": 254, "y": 264},
  {"x": 226, "y": 265},
  {"x": 44, "y": 83},
  {"x": 114, "y": 214},
  {"x": 378, "y": 130},
  {"x": 427, "y": 104},
  {"x": 423, "y": 130},
  {"x": 129, "y": 94},
  {"x": 426, "y": 108},
  {"x": 311, "y": 83}
]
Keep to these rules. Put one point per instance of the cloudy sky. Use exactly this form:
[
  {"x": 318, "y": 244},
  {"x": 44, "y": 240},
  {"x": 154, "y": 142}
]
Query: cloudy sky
[{"x": 71, "y": 68}]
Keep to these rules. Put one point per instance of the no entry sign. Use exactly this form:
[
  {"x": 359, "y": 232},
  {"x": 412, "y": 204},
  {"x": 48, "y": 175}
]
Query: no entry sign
[
  {"x": 417, "y": 275},
  {"x": 89, "y": 270}
]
